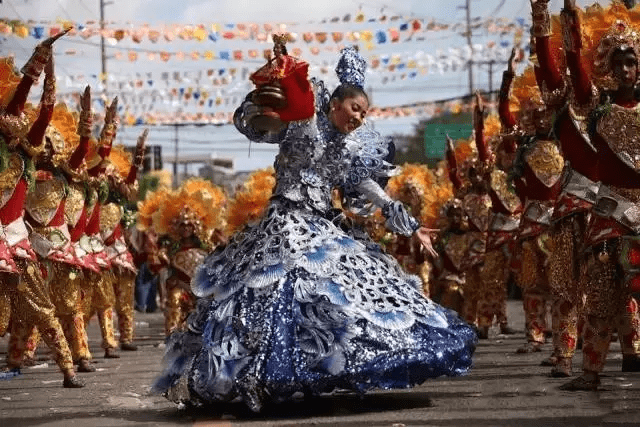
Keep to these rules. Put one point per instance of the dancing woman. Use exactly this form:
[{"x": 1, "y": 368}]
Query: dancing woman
[
  {"x": 608, "y": 97},
  {"x": 293, "y": 303}
]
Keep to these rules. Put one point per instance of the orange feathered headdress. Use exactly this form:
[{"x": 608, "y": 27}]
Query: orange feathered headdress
[
  {"x": 433, "y": 193},
  {"x": 121, "y": 161},
  {"x": 148, "y": 207},
  {"x": 211, "y": 197},
  {"x": 198, "y": 203},
  {"x": 9, "y": 79},
  {"x": 63, "y": 133},
  {"x": 249, "y": 203}
]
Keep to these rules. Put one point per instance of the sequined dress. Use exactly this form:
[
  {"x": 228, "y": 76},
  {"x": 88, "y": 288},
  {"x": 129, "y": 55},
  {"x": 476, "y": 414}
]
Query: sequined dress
[{"x": 297, "y": 304}]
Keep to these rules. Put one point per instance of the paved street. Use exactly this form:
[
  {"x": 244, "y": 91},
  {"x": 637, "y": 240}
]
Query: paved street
[{"x": 503, "y": 389}]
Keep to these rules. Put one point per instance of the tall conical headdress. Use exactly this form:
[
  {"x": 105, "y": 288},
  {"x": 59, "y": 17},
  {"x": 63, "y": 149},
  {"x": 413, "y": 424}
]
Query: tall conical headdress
[{"x": 351, "y": 67}]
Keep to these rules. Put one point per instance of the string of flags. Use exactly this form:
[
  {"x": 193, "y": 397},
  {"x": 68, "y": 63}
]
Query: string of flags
[
  {"x": 377, "y": 30},
  {"x": 131, "y": 117}
]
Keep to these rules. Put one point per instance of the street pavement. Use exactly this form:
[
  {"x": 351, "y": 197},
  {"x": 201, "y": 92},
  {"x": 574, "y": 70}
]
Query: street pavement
[{"x": 502, "y": 389}]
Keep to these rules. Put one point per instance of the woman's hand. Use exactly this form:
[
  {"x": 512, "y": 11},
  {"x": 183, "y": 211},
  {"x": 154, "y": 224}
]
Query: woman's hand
[
  {"x": 423, "y": 234},
  {"x": 512, "y": 61}
]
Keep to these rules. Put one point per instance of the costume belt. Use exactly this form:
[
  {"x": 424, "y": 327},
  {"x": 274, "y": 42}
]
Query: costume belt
[
  {"x": 614, "y": 206},
  {"x": 91, "y": 244},
  {"x": 580, "y": 186},
  {"x": 538, "y": 211},
  {"x": 502, "y": 222},
  {"x": 47, "y": 241}
]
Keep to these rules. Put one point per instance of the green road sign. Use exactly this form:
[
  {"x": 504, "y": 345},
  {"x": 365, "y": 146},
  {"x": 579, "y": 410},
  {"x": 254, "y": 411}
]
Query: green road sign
[{"x": 435, "y": 141}]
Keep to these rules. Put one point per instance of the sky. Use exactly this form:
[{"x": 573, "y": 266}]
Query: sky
[{"x": 224, "y": 141}]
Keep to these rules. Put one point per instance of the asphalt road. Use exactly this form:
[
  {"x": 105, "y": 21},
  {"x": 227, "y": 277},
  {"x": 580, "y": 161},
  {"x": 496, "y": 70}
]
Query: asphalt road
[{"x": 503, "y": 389}]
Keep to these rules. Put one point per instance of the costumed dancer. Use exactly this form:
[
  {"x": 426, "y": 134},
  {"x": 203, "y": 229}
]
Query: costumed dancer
[
  {"x": 411, "y": 187},
  {"x": 503, "y": 225},
  {"x": 185, "y": 223},
  {"x": 22, "y": 280},
  {"x": 471, "y": 185},
  {"x": 607, "y": 95},
  {"x": 569, "y": 188},
  {"x": 536, "y": 176},
  {"x": 123, "y": 180},
  {"x": 293, "y": 304},
  {"x": 452, "y": 247},
  {"x": 99, "y": 297},
  {"x": 63, "y": 174},
  {"x": 69, "y": 278}
]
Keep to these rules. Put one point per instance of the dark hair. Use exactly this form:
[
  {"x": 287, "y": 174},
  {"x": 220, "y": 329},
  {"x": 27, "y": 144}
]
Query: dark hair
[{"x": 345, "y": 91}]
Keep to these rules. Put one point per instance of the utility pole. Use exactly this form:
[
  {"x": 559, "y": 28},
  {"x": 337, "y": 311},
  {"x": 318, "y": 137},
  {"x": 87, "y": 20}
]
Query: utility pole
[
  {"x": 491, "y": 80},
  {"x": 175, "y": 158},
  {"x": 103, "y": 54},
  {"x": 470, "y": 43}
]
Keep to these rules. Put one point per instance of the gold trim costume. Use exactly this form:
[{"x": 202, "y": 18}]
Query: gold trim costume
[
  {"x": 23, "y": 132},
  {"x": 185, "y": 221},
  {"x": 99, "y": 294},
  {"x": 123, "y": 187},
  {"x": 603, "y": 90}
]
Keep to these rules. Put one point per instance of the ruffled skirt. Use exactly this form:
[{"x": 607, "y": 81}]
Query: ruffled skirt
[{"x": 296, "y": 304}]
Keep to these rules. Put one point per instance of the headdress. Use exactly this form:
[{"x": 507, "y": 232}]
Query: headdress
[
  {"x": 351, "y": 67},
  {"x": 422, "y": 181},
  {"x": 249, "y": 203},
  {"x": 62, "y": 131},
  {"x": 121, "y": 161},
  {"x": 148, "y": 207},
  {"x": 619, "y": 35},
  {"x": 9, "y": 80},
  {"x": 596, "y": 23},
  {"x": 527, "y": 103},
  {"x": 198, "y": 203}
]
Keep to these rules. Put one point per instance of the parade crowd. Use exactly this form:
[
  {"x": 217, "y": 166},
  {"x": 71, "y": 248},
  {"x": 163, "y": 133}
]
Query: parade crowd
[{"x": 544, "y": 194}]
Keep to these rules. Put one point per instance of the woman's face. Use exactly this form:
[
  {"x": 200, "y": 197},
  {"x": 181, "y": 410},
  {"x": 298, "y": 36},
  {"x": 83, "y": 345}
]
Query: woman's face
[
  {"x": 186, "y": 230},
  {"x": 625, "y": 67},
  {"x": 347, "y": 115}
]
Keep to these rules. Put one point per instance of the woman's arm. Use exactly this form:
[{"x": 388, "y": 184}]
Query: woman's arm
[
  {"x": 549, "y": 69},
  {"x": 572, "y": 37},
  {"x": 452, "y": 165},
  {"x": 398, "y": 219},
  {"x": 484, "y": 152},
  {"x": 507, "y": 118},
  {"x": 35, "y": 137},
  {"x": 84, "y": 130}
]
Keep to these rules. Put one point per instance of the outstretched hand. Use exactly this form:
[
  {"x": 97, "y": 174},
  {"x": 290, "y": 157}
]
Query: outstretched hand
[
  {"x": 512, "y": 60},
  {"x": 51, "y": 40},
  {"x": 479, "y": 109},
  {"x": 423, "y": 234},
  {"x": 85, "y": 99}
]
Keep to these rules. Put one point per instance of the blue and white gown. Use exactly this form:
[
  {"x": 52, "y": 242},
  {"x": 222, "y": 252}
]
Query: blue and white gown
[{"x": 297, "y": 304}]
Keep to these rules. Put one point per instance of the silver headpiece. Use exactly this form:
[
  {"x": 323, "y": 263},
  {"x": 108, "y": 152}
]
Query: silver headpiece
[{"x": 351, "y": 67}]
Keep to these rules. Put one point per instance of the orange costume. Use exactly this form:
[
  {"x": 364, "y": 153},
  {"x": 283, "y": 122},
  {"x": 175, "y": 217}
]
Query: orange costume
[{"x": 185, "y": 221}]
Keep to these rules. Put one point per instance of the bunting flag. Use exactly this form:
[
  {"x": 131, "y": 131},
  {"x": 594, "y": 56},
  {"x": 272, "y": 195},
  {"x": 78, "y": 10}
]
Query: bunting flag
[
  {"x": 137, "y": 115},
  {"x": 381, "y": 30}
]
